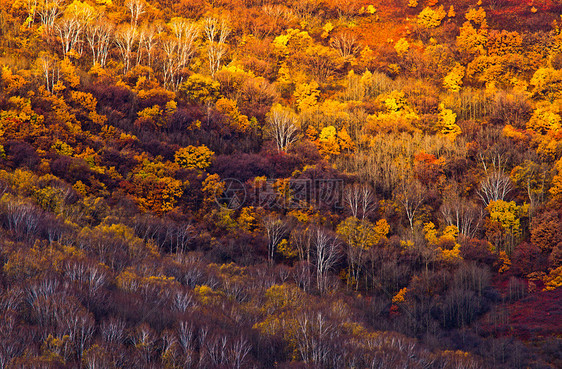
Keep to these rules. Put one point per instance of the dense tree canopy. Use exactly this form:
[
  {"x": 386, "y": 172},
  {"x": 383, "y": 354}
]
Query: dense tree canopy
[{"x": 269, "y": 184}]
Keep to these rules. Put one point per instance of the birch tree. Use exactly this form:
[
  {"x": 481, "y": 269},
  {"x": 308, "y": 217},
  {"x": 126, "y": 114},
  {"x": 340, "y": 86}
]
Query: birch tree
[
  {"x": 71, "y": 26},
  {"x": 216, "y": 32},
  {"x": 496, "y": 185},
  {"x": 49, "y": 11},
  {"x": 327, "y": 252},
  {"x": 125, "y": 38},
  {"x": 98, "y": 36},
  {"x": 179, "y": 48},
  {"x": 411, "y": 197},
  {"x": 359, "y": 200},
  {"x": 136, "y": 8},
  {"x": 275, "y": 230},
  {"x": 281, "y": 126}
]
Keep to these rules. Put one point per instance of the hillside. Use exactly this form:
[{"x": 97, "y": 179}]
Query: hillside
[{"x": 280, "y": 184}]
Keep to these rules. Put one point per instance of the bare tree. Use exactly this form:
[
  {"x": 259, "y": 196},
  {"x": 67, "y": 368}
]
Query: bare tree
[
  {"x": 345, "y": 44},
  {"x": 71, "y": 27},
  {"x": 92, "y": 276},
  {"x": 4, "y": 188},
  {"x": 97, "y": 358},
  {"x": 281, "y": 126},
  {"x": 303, "y": 276},
  {"x": 144, "y": 339},
  {"x": 149, "y": 33},
  {"x": 98, "y": 36},
  {"x": 186, "y": 335},
  {"x": 125, "y": 38},
  {"x": 179, "y": 48},
  {"x": 136, "y": 8},
  {"x": 462, "y": 213},
  {"x": 216, "y": 32},
  {"x": 213, "y": 348},
  {"x": 360, "y": 200},
  {"x": 80, "y": 326},
  {"x": 302, "y": 238},
  {"x": 48, "y": 11},
  {"x": 184, "y": 232},
  {"x": 239, "y": 350},
  {"x": 23, "y": 218},
  {"x": 327, "y": 253},
  {"x": 11, "y": 346},
  {"x": 140, "y": 46},
  {"x": 275, "y": 229},
  {"x": 411, "y": 197},
  {"x": 186, "y": 340},
  {"x": 146, "y": 43},
  {"x": 496, "y": 185},
  {"x": 313, "y": 337},
  {"x": 51, "y": 71},
  {"x": 113, "y": 331},
  {"x": 147, "y": 227},
  {"x": 11, "y": 299},
  {"x": 182, "y": 300},
  {"x": 42, "y": 288}
]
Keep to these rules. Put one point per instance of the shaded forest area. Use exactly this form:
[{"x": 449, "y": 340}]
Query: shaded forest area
[{"x": 280, "y": 184}]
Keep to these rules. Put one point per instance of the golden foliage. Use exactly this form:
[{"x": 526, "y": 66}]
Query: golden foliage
[
  {"x": 453, "y": 79},
  {"x": 306, "y": 95},
  {"x": 448, "y": 126},
  {"x": 401, "y": 46},
  {"x": 554, "y": 279},
  {"x": 504, "y": 263},
  {"x": 431, "y": 18},
  {"x": 194, "y": 157},
  {"x": 471, "y": 40},
  {"x": 545, "y": 118},
  {"x": 400, "y": 296}
]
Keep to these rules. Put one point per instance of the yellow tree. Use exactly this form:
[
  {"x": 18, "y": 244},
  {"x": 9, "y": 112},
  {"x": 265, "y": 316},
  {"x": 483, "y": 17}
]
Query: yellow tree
[
  {"x": 556, "y": 189},
  {"x": 442, "y": 247},
  {"x": 306, "y": 95},
  {"x": 507, "y": 215},
  {"x": 328, "y": 143},
  {"x": 431, "y": 18},
  {"x": 194, "y": 157},
  {"x": 453, "y": 79},
  {"x": 344, "y": 141},
  {"x": 545, "y": 118},
  {"x": 554, "y": 279},
  {"x": 229, "y": 108},
  {"x": 201, "y": 89},
  {"x": 401, "y": 47},
  {"x": 547, "y": 83},
  {"x": 448, "y": 126},
  {"x": 360, "y": 236},
  {"x": 471, "y": 40}
]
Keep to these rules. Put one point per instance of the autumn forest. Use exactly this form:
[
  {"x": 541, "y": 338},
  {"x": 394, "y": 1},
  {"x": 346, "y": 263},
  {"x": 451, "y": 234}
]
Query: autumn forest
[{"x": 281, "y": 184}]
